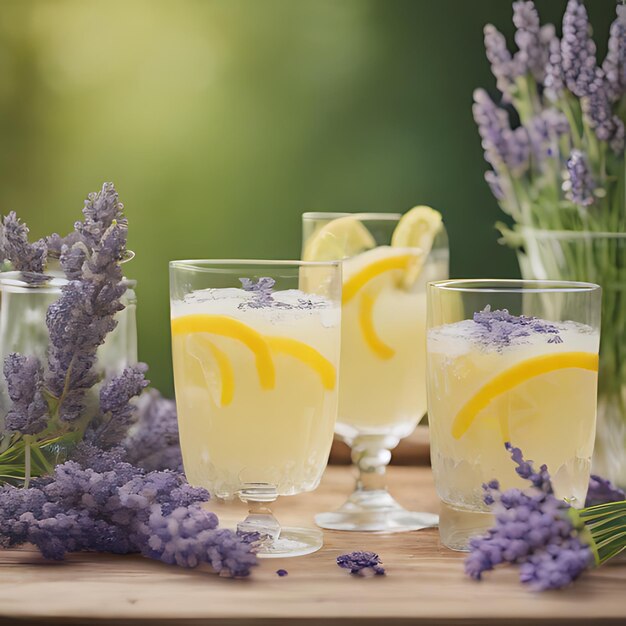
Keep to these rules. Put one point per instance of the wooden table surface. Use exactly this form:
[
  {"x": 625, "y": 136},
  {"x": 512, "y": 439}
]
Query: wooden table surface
[{"x": 425, "y": 583}]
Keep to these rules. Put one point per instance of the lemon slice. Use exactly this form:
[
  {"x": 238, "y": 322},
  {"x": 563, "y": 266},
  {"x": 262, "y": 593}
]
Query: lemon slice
[
  {"x": 308, "y": 355},
  {"x": 234, "y": 329},
  {"x": 366, "y": 322},
  {"x": 338, "y": 239},
  {"x": 225, "y": 368},
  {"x": 355, "y": 282},
  {"x": 417, "y": 229},
  {"x": 516, "y": 375}
]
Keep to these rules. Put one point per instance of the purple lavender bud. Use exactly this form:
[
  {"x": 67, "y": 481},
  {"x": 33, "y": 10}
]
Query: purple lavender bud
[
  {"x": 15, "y": 247},
  {"x": 614, "y": 65},
  {"x": 361, "y": 563},
  {"x": 29, "y": 410},
  {"x": 578, "y": 51},
  {"x": 503, "y": 66},
  {"x": 494, "y": 184},
  {"x": 602, "y": 491},
  {"x": 580, "y": 186},
  {"x": 282, "y": 572},
  {"x": 530, "y": 39},
  {"x": 502, "y": 146},
  {"x": 554, "y": 80}
]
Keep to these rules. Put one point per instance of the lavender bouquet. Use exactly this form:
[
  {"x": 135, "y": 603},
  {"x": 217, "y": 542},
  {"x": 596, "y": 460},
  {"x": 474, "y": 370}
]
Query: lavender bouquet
[
  {"x": 84, "y": 467},
  {"x": 554, "y": 139}
]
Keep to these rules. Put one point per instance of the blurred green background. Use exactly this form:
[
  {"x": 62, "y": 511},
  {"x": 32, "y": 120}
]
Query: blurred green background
[{"x": 220, "y": 121}]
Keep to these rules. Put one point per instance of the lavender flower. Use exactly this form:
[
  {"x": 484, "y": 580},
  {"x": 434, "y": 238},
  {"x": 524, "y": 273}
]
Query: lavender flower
[
  {"x": 578, "y": 51},
  {"x": 602, "y": 491},
  {"x": 502, "y": 146},
  {"x": 29, "y": 411},
  {"x": 502, "y": 65},
  {"x": 152, "y": 442},
  {"x": 614, "y": 65},
  {"x": 531, "y": 39},
  {"x": 580, "y": 186},
  {"x": 14, "y": 246},
  {"x": 119, "y": 508},
  {"x": 597, "y": 110},
  {"x": 544, "y": 132},
  {"x": 499, "y": 328},
  {"x": 80, "y": 319},
  {"x": 282, "y": 572},
  {"x": 361, "y": 563},
  {"x": 116, "y": 410}
]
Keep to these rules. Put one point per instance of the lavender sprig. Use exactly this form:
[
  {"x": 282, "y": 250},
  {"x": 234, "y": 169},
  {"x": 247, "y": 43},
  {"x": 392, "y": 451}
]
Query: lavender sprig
[
  {"x": 614, "y": 65},
  {"x": 551, "y": 542},
  {"x": 602, "y": 491},
  {"x": 116, "y": 409},
  {"x": 578, "y": 51},
  {"x": 29, "y": 410},
  {"x": 80, "y": 319},
  {"x": 29, "y": 258},
  {"x": 531, "y": 40}
]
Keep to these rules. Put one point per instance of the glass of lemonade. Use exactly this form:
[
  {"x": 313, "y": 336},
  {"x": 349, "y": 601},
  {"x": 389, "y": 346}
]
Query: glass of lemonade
[
  {"x": 255, "y": 355},
  {"x": 388, "y": 260},
  {"x": 509, "y": 361}
]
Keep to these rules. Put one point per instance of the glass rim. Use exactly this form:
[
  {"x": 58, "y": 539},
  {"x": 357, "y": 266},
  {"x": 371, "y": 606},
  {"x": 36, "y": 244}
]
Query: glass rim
[
  {"x": 363, "y": 216},
  {"x": 513, "y": 285},
  {"x": 543, "y": 233},
  {"x": 207, "y": 264}
]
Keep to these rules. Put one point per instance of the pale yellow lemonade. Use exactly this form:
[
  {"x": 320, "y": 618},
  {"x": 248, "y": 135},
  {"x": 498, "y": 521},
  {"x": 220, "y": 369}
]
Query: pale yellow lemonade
[
  {"x": 382, "y": 387},
  {"x": 383, "y": 341},
  {"x": 491, "y": 385},
  {"x": 256, "y": 388}
]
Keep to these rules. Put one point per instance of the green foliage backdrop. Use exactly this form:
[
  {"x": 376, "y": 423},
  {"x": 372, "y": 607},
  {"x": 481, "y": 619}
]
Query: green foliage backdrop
[{"x": 220, "y": 121}]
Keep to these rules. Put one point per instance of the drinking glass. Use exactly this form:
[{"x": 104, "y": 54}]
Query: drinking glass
[
  {"x": 382, "y": 388},
  {"x": 509, "y": 361},
  {"x": 255, "y": 358}
]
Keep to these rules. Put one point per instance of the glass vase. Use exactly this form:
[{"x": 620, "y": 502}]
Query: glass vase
[
  {"x": 598, "y": 257},
  {"x": 23, "y": 308}
]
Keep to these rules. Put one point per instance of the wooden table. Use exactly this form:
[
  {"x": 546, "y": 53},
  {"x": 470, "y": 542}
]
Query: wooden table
[{"x": 424, "y": 583}]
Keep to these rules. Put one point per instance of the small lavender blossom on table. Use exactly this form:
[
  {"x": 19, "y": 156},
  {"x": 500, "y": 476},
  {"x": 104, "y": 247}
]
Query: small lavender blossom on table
[
  {"x": 362, "y": 563},
  {"x": 552, "y": 543}
]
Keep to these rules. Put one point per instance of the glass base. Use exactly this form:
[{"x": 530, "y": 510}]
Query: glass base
[
  {"x": 290, "y": 542},
  {"x": 374, "y": 511},
  {"x": 458, "y": 526}
]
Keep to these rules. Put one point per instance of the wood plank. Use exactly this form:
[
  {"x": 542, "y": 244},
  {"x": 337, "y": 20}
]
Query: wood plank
[{"x": 425, "y": 582}]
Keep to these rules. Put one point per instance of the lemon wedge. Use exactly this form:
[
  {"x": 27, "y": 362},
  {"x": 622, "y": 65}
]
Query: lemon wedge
[
  {"x": 356, "y": 280},
  {"x": 338, "y": 239},
  {"x": 366, "y": 323},
  {"x": 516, "y": 375},
  {"x": 234, "y": 329},
  {"x": 308, "y": 355}
]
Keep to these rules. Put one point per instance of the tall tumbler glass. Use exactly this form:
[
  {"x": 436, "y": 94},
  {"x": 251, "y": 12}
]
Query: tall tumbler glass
[
  {"x": 255, "y": 356},
  {"x": 509, "y": 361},
  {"x": 382, "y": 390}
]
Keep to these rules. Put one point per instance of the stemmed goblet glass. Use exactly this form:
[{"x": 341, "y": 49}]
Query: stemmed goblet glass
[
  {"x": 382, "y": 390},
  {"x": 255, "y": 355}
]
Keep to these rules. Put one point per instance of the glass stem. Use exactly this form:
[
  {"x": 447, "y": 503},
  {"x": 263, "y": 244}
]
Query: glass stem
[
  {"x": 371, "y": 455},
  {"x": 260, "y": 518}
]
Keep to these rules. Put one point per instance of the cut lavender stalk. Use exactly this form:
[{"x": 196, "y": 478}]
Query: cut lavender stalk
[{"x": 551, "y": 542}]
